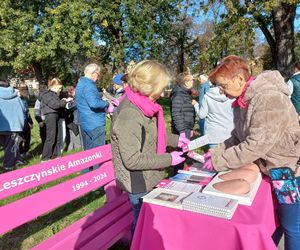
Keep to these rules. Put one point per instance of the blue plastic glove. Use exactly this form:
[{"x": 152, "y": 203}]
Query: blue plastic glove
[
  {"x": 182, "y": 141},
  {"x": 176, "y": 158}
]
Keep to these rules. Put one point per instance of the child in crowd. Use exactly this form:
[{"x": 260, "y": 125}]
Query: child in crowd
[{"x": 73, "y": 140}]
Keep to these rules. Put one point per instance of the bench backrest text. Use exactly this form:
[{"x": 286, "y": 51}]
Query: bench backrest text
[{"x": 20, "y": 180}]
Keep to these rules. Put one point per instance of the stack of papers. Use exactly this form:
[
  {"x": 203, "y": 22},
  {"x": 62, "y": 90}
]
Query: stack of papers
[
  {"x": 210, "y": 205},
  {"x": 197, "y": 169},
  {"x": 192, "y": 178},
  {"x": 180, "y": 186}
]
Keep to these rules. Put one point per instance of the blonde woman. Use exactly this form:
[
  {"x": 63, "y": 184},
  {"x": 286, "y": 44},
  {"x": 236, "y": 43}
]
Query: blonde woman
[
  {"x": 50, "y": 104},
  {"x": 138, "y": 134}
]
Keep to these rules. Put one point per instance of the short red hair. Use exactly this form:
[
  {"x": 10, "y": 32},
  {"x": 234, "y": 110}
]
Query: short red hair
[{"x": 230, "y": 67}]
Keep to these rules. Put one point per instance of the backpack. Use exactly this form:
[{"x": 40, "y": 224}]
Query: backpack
[{"x": 295, "y": 98}]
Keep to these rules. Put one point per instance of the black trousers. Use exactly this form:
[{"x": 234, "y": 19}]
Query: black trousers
[
  {"x": 26, "y": 137},
  {"x": 43, "y": 134},
  {"x": 10, "y": 142},
  {"x": 50, "y": 146}
]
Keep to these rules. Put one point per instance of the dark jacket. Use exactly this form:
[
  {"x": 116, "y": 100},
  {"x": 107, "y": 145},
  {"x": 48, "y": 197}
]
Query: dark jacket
[
  {"x": 182, "y": 110},
  {"x": 50, "y": 102},
  {"x": 27, "y": 117},
  {"x": 138, "y": 168},
  {"x": 295, "y": 98}
]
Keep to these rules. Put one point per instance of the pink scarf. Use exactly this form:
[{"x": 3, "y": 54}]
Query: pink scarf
[
  {"x": 240, "y": 101},
  {"x": 149, "y": 109}
]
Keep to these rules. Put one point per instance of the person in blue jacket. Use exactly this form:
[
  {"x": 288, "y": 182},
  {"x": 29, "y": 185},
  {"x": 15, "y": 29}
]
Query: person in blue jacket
[
  {"x": 91, "y": 108},
  {"x": 11, "y": 124},
  {"x": 203, "y": 88}
]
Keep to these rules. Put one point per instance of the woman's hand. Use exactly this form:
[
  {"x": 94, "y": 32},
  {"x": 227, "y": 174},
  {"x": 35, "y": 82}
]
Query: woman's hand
[
  {"x": 176, "y": 158},
  {"x": 194, "y": 102},
  {"x": 115, "y": 102},
  {"x": 182, "y": 140}
]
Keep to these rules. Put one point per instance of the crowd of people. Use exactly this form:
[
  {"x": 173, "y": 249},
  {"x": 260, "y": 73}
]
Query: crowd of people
[
  {"x": 250, "y": 119},
  {"x": 57, "y": 115}
]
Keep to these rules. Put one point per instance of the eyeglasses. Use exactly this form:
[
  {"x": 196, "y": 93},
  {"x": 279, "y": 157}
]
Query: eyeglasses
[{"x": 222, "y": 86}]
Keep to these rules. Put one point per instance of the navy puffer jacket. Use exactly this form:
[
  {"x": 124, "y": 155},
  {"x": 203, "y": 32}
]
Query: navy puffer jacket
[{"x": 182, "y": 110}]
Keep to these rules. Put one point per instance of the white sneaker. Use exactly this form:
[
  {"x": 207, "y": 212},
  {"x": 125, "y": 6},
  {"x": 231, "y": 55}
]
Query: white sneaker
[{"x": 46, "y": 160}]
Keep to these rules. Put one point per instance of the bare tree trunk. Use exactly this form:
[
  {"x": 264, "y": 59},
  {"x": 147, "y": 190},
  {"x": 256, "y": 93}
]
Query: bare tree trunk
[
  {"x": 38, "y": 71},
  {"x": 283, "y": 23},
  {"x": 181, "y": 53}
]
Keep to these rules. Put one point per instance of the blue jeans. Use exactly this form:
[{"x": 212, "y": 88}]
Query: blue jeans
[
  {"x": 136, "y": 203},
  {"x": 93, "y": 139},
  {"x": 201, "y": 126},
  {"x": 289, "y": 216},
  {"x": 212, "y": 145}
]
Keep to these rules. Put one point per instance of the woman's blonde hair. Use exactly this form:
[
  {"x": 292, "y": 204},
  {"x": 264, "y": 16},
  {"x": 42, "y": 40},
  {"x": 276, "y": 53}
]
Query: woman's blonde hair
[
  {"x": 55, "y": 81},
  {"x": 149, "y": 77}
]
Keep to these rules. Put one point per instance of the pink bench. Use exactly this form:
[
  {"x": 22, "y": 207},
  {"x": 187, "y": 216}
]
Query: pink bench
[{"x": 98, "y": 230}]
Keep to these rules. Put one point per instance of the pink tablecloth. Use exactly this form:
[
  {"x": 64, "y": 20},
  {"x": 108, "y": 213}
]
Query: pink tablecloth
[{"x": 250, "y": 228}]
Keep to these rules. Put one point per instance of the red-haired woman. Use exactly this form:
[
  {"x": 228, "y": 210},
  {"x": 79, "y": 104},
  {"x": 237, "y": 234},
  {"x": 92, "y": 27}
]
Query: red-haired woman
[{"x": 266, "y": 132}]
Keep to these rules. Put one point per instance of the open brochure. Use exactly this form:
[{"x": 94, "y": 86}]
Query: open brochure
[
  {"x": 166, "y": 197},
  {"x": 191, "y": 178},
  {"x": 197, "y": 169},
  {"x": 245, "y": 199},
  {"x": 195, "y": 156},
  {"x": 180, "y": 186},
  {"x": 202, "y": 141}
]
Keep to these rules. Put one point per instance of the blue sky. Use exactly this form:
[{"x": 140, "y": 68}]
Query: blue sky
[{"x": 209, "y": 15}]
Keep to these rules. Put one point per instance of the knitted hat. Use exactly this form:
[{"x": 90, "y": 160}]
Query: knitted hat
[{"x": 117, "y": 79}]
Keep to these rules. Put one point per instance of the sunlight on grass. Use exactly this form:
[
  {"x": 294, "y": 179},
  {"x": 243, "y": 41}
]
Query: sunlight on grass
[{"x": 34, "y": 232}]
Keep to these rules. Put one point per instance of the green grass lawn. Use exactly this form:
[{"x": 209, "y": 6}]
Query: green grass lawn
[{"x": 32, "y": 233}]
